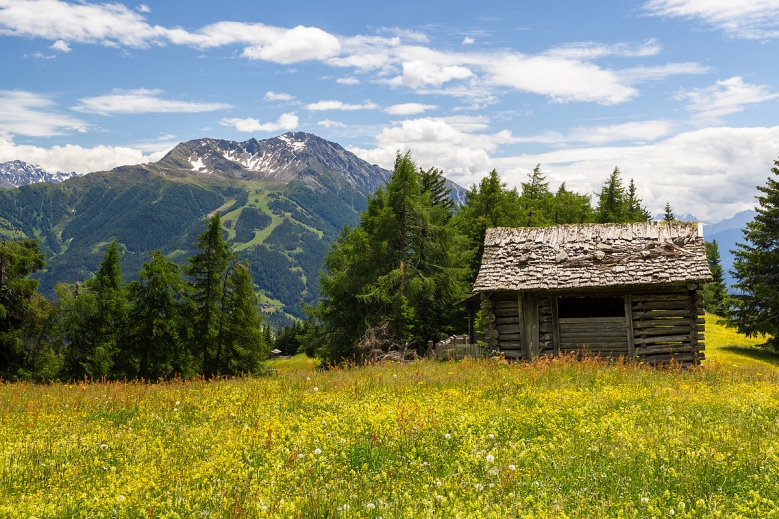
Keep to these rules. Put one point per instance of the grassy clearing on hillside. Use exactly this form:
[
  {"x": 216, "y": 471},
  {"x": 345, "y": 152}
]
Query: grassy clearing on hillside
[{"x": 427, "y": 439}]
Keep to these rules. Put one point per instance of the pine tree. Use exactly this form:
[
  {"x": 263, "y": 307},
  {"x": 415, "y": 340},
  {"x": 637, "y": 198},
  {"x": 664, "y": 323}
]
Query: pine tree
[
  {"x": 611, "y": 201},
  {"x": 206, "y": 271},
  {"x": 157, "y": 342},
  {"x": 756, "y": 268},
  {"x": 715, "y": 294},
  {"x": 668, "y": 216}
]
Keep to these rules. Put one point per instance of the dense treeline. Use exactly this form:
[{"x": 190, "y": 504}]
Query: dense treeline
[
  {"x": 202, "y": 319},
  {"x": 392, "y": 281}
]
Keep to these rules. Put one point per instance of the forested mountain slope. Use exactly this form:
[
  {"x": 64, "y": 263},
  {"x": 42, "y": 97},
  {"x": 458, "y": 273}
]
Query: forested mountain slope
[{"x": 282, "y": 200}]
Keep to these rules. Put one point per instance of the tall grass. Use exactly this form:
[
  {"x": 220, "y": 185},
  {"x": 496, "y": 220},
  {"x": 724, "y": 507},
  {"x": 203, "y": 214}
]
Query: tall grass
[{"x": 558, "y": 438}]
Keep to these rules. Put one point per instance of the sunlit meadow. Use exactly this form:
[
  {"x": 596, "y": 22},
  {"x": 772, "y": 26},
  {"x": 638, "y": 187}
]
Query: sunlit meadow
[{"x": 426, "y": 439}]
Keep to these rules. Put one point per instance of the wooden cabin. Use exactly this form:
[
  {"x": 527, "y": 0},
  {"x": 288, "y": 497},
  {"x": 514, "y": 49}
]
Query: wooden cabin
[{"x": 615, "y": 290}]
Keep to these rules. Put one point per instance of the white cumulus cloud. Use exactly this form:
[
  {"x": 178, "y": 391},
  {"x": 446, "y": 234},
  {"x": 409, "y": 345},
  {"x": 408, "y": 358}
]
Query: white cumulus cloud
[
  {"x": 61, "y": 46},
  {"x": 140, "y": 101},
  {"x": 75, "y": 158},
  {"x": 287, "y": 121}
]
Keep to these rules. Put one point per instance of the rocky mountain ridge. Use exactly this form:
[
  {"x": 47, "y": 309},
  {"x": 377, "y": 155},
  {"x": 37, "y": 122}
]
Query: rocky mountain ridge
[{"x": 16, "y": 173}]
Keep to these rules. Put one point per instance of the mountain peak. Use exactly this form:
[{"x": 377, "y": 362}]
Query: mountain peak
[
  {"x": 287, "y": 157},
  {"x": 16, "y": 173}
]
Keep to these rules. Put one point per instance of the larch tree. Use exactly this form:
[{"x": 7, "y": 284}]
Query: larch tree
[
  {"x": 393, "y": 279},
  {"x": 157, "y": 342},
  {"x": 206, "y": 271}
]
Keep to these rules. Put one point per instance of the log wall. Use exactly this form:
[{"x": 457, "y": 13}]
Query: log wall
[
  {"x": 669, "y": 327},
  {"x": 660, "y": 326}
]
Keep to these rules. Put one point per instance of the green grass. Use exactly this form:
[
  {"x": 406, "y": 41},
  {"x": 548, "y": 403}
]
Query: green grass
[
  {"x": 299, "y": 362},
  {"x": 556, "y": 438},
  {"x": 727, "y": 347}
]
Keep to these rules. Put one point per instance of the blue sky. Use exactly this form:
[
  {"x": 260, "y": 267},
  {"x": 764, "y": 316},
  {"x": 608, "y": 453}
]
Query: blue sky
[{"x": 682, "y": 95}]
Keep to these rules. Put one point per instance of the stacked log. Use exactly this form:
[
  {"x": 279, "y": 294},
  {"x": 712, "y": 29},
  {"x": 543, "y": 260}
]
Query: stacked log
[
  {"x": 546, "y": 344},
  {"x": 503, "y": 328}
]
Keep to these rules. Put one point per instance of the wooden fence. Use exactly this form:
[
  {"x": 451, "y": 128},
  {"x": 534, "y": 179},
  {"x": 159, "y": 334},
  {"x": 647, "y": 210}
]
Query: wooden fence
[{"x": 458, "y": 347}]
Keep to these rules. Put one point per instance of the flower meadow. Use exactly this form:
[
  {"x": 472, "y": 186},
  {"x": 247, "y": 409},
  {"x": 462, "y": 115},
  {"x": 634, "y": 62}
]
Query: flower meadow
[{"x": 558, "y": 438}]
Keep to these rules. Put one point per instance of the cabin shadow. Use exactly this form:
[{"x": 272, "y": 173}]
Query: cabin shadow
[{"x": 754, "y": 353}]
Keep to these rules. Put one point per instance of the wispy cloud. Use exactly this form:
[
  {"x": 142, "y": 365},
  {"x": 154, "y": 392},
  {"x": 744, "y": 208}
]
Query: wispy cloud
[
  {"x": 340, "y": 105},
  {"x": 287, "y": 121},
  {"x": 752, "y": 19},
  {"x": 327, "y": 123},
  {"x": 141, "y": 101},
  {"x": 593, "y": 50},
  {"x": 278, "y": 96},
  {"x": 468, "y": 40},
  {"x": 409, "y": 108},
  {"x": 402, "y": 59},
  {"x": 26, "y": 113},
  {"x": 347, "y": 81},
  {"x": 725, "y": 97}
]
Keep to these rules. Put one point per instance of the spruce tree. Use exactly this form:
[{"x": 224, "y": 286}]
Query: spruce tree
[
  {"x": 490, "y": 203},
  {"x": 536, "y": 199},
  {"x": 570, "y": 207},
  {"x": 92, "y": 319},
  {"x": 611, "y": 201},
  {"x": 668, "y": 215},
  {"x": 206, "y": 271},
  {"x": 634, "y": 210},
  {"x": 756, "y": 268},
  {"x": 715, "y": 294},
  {"x": 22, "y": 311}
]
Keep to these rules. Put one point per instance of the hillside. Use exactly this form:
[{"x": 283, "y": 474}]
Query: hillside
[{"x": 283, "y": 201}]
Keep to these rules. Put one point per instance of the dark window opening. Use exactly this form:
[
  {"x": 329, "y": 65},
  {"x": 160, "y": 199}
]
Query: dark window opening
[{"x": 584, "y": 307}]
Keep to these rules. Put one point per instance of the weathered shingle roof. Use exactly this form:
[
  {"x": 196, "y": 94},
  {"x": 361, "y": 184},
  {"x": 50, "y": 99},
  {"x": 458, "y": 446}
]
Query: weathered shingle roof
[{"x": 592, "y": 255}]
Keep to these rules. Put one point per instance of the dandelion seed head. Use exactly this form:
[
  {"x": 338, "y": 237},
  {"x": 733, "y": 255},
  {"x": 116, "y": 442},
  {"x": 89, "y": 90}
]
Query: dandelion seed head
[
  {"x": 448, "y": 436},
  {"x": 671, "y": 512},
  {"x": 512, "y": 468},
  {"x": 490, "y": 458},
  {"x": 492, "y": 436},
  {"x": 370, "y": 506},
  {"x": 120, "y": 498}
]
